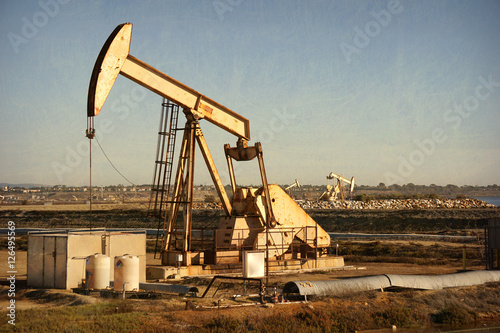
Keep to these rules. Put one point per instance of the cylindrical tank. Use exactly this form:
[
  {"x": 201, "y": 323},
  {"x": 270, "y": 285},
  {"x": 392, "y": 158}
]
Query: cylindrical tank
[
  {"x": 126, "y": 271},
  {"x": 97, "y": 271}
]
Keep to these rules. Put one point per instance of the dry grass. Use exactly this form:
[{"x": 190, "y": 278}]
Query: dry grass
[
  {"x": 451, "y": 309},
  {"x": 51, "y": 311},
  {"x": 432, "y": 253}
]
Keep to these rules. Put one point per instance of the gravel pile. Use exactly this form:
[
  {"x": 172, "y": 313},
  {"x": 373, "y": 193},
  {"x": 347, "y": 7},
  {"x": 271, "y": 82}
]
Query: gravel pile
[
  {"x": 379, "y": 204},
  {"x": 398, "y": 204}
]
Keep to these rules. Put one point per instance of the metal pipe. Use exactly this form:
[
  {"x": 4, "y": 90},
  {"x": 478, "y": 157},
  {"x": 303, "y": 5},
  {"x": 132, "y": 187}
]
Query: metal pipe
[
  {"x": 428, "y": 282},
  {"x": 232, "y": 278}
]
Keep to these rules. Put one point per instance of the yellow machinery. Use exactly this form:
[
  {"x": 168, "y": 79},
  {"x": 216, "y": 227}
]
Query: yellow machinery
[
  {"x": 290, "y": 187},
  {"x": 264, "y": 218},
  {"x": 336, "y": 191}
]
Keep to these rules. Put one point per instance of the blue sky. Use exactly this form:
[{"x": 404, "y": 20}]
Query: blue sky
[{"x": 385, "y": 91}]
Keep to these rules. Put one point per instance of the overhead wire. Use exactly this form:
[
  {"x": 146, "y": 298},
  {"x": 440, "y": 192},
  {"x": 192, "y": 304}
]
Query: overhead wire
[
  {"x": 112, "y": 163},
  {"x": 90, "y": 133},
  {"x": 114, "y": 167},
  {"x": 90, "y": 180}
]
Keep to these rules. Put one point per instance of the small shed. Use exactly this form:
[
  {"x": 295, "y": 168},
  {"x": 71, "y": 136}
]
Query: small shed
[
  {"x": 57, "y": 259},
  {"x": 493, "y": 244}
]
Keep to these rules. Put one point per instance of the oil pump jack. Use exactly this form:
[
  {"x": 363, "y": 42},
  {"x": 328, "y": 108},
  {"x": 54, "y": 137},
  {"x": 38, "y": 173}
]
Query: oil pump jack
[
  {"x": 337, "y": 191},
  {"x": 289, "y": 188},
  {"x": 264, "y": 218}
]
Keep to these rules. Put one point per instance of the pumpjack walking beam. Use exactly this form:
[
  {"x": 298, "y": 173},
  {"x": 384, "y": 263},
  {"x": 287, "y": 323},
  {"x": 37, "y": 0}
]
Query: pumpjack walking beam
[{"x": 114, "y": 59}]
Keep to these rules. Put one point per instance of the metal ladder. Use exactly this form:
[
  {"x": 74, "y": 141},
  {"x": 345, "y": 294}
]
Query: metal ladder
[{"x": 162, "y": 176}]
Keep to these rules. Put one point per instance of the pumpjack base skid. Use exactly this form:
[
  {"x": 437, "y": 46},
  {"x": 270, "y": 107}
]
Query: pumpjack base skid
[{"x": 164, "y": 272}]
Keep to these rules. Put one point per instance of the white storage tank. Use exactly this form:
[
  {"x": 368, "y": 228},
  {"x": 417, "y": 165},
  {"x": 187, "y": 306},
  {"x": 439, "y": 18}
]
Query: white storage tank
[
  {"x": 126, "y": 269},
  {"x": 57, "y": 259},
  {"x": 97, "y": 271}
]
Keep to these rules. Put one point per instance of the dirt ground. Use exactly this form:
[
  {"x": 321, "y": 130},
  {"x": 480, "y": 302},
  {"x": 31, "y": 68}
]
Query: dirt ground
[
  {"x": 350, "y": 270},
  {"x": 457, "y": 222},
  {"x": 226, "y": 313},
  {"x": 275, "y": 279},
  {"x": 221, "y": 311}
]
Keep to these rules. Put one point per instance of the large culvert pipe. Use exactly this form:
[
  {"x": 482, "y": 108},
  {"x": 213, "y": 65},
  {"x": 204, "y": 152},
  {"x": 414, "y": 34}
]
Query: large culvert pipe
[{"x": 352, "y": 285}]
